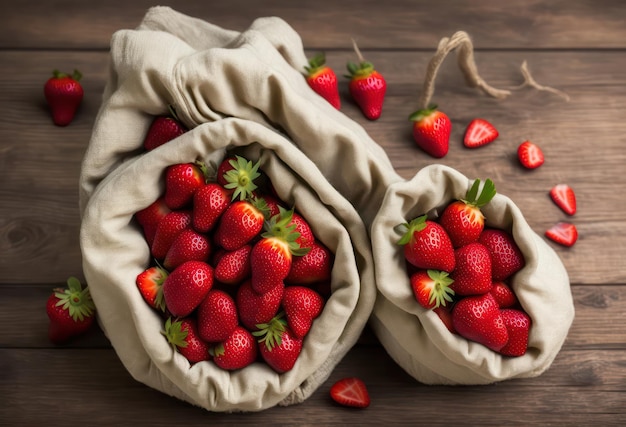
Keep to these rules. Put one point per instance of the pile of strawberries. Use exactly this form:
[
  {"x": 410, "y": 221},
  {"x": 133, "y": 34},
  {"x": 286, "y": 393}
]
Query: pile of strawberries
[
  {"x": 462, "y": 270},
  {"x": 237, "y": 276}
]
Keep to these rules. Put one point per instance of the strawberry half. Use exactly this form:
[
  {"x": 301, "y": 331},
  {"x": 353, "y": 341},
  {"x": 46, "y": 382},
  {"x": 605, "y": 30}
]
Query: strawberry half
[
  {"x": 323, "y": 80},
  {"x": 530, "y": 155},
  {"x": 563, "y": 233},
  {"x": 431, "y": 288},
  {"x": 479, "y": 132},
  {"x": 351, "y": 392},
  {"x": 431, "y": 131},
  {"x": 564, "y": 197}
]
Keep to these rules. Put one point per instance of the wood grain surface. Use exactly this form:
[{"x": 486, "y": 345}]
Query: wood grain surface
[{"x": 577, "y": 46}]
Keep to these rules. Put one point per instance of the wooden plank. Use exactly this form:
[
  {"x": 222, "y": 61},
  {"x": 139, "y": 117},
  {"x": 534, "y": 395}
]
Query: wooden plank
[
  {"x": 579, "y": 388},
  {"x": 329, "y": 24}
]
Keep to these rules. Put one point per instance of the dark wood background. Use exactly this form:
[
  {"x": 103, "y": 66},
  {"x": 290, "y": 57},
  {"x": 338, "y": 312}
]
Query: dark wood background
[{"x": 577, "y": 46}]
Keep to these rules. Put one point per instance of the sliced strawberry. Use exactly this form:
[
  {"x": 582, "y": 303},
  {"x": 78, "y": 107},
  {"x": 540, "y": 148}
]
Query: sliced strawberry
[
  {"x": 563, "y": 233},
  {"x": 479, "y": 132},
  {"x": 350, "y": 391},
  {"x": 431, "y": 288},
  {"x": 564, "y": 197},
  {"x": 530, "y": 155}
]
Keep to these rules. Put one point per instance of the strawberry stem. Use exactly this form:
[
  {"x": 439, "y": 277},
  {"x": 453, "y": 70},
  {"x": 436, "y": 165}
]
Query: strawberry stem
[
  {"x": 479, "y": 200},
  {"x": 271, "y": 333},
  {"x": 241, "y": 177},
  {"x": 441, "y": 292},
  {"x": 417, "y": 224},
  {"x": 76, "y": 299}
]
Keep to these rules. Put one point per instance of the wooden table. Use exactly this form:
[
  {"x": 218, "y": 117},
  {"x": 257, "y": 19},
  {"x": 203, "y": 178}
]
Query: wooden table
[{"x": 575, "y": 46}]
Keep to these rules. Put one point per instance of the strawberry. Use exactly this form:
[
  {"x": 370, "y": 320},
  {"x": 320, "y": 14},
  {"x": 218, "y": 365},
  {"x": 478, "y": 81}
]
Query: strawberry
[
  {"x": 162, "y": 129},
  {"x": 254, "y": 308},
  {"x": 237, "y": 351},
  {"x": 431, "y": 288},
  {"x": 315, "y": 266},
  {"x": 181, "y": 182},
  {"x": 189, "y": 245},
  {"x": 367, "y": 87},
  {"x": 351, "y": 392},
  {"x": 479, "y": 132},
  {"x": 503, "y": 294},
  {"x": 431, "y": 131},
  {"x": 462, "y": 219},
  {"x": 233, "y": 267},
  {"x": 183, "y": 336},
  {"x": 71, "y": 312},
  {"x": 186, "y": 287},
  {"x": 209, "y": 203},
  {"x": 240, "y": 223},
  {"x": 168, "y": 229},
  {"x": 564, "y": 197},
  {"x": 477, "y": 318},
  {"x": 472, "y": 273},
  {"x": 239, "y": 176},
  {"x": 517, "y": 324},
  {"x": 530, "y": 155},
  {"x": 150, "y": 285},
  {"x": 306, "y": 238},
  {"x": 506, "y": 257},
  {"x": 274, "y": 205},
  {"x": 63, "y": 93},
  {"x": 563, "y": 233},
  {"x": 279, "y": 347},
  {"x": 149, "y": 218},
  {"x": 302, "y": 305},
  {"x": 427, "y": 245},
  {"x": 323, "y": 80},
  {"x": 271, "y": 257},
  {"x": 227, "y": 164},
  {"x": 445, "y": 314},
  {"x": 217, "y": 316}
]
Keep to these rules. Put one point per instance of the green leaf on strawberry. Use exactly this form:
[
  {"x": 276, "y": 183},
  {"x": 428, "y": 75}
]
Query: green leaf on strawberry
[
  {"x": 76, "y": 299},
  {"x": 271, "y": 333},
  {"x": 241, "y": 177}
]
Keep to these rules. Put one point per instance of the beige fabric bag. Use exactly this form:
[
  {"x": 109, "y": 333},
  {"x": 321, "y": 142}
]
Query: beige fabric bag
[{"x": 416, "y": 338}]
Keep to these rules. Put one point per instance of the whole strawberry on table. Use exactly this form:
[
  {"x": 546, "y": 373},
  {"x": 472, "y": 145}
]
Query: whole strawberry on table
[
  {"x": 462, "y": 270},
  {"x": 71, "y": 312},
  {"x": 238, "y": 275}
]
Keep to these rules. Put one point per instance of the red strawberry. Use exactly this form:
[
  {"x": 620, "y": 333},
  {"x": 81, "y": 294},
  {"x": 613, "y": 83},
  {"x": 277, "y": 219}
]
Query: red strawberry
[
  {"x": 563, "y": 233},
  {"x": 209, "y": 203},
  {"x": 427, "y": 245},
  {"x": 186, "y": 287},
  {"x": 506, "y": 257},
  {"x": 302, "y": 305},
  {"x": 431, "y": 131},
  {"x": 479, "y": 132},
  {"x": 237, "y": 351},
  {"x": 274, "y": 205},
  {"x": 478, "y": 318},
  {"x": 314, "y": 266},
  {"x": 530, "y": 155},
  {"x": 217, "y": 316},
  {"x": 367, "y": 87},
  {"x": 150, "y": 217},
  {"x": 71, "y": 312},
  {"x": 254, "y": 308},
  {"x": 162, "y": 129},
  {"x": 564, "y": 197},
  {"x": 183, "y": 335},
  {"x": 503, "y": 294},
  {"x": 63, "y": 94},
  {"x": 168, "y": 229},
  {"x": 445, "y": 314},
  {"x": 238, "y": 176},
  {"x": 518, "y": 327},
  {"x": 233, "y": 267},
  {"x": 306, "y": 238},
  {"x": 350, "y": 392},
  {"x": 240, "y": 223},
  {"x": 271, "y": 257},
  {"x": 227, "y": 164},
  {"x": 189, "y": 245},
  {"x": 181, "y": 182},
  {"x": 279, "y": 347},
  {"x": 150, "y": 285},
  {"x": 323, "y": 80},
  {"x": 431, "y": 288},
  {"x": 472, "y": 274},
  {"x": 463, "y": 220}
]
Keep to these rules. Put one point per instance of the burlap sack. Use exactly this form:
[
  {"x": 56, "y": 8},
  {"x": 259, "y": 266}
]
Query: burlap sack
[{"x": 416, "y": 338}]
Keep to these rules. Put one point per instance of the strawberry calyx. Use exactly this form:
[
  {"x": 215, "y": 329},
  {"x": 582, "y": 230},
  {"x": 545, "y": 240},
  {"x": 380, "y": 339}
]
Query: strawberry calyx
[
  {"x": 174, "y": 333},
  {"x": 271, "y": 333},
  {"x": 441, "y": 293},
  {"x": 76, "y": 299},
  {"x": 473, "y": 198},
  {"x": 417, "y": 224},
  {"x": 162, "y": 274},
  {"x": 280, "y": 226},
  {"x": 420, "y": 115},
  {"x": 241, "y": 177},
  {"x": 361, "y": 70},
  {"x": 316, "y": 64},
  {"x": 76, "y": 75}
]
